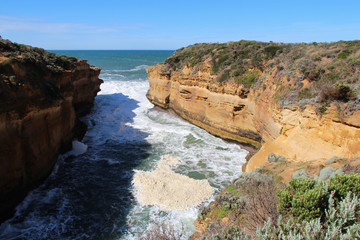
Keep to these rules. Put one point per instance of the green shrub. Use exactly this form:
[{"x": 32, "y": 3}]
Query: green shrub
[
  {"x": 344, "y": 54},
  {"x": 323, "y": 107},
  {"x": 257, "y": 61},
  {"x": 308, "y": 199},
  {"x": 193, "y": 62},
  {"x": 344, "y": 92},
  {"x": 310, "y": 209},
  {"x": 305, "y": 94},
  {"x": 340, "y": 92},
  {"x": 218, "y": 61},
  {"x": 340, "y": 223},
  {"x": 317, "y": 58},
  {"x": 354, "y": 62},
  {"x": 331, "y": 67},
  {"x": 344, "y": 184},
  {"x": 248, "y": 78},
  {"x": 303, "y": 198},
  {"x": 271, "y": 51},
  {"x": 225, "y": 76},
  {"x": 238, "y": 70},
  {"x": 221, "y": 211}
]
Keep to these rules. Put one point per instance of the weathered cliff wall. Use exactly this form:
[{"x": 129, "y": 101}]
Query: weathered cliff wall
[
  {"x": 42, "y": 96},
  {"x": 299, "y": 101},
  {"x": 222, "y": 109}
]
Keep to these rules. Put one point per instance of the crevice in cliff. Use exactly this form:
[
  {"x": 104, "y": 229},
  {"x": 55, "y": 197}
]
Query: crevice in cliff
[
  {"x": 238, "y": 108},
  {"x": 167, "y": 75},
  {"x": 167, "y": 100},
  {"x": 346, "y": 123},
  {"x": 183, "y": 91},
  {"x": 201, "y": 98},
  {"x": 244, "y": 93},
  {"x": 186, "y": 94}
]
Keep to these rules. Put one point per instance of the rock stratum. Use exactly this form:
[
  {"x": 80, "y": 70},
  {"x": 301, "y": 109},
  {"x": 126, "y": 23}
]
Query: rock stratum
[
  {"x": 300, "y": 101},
  {"x": 42, "y": 96}
]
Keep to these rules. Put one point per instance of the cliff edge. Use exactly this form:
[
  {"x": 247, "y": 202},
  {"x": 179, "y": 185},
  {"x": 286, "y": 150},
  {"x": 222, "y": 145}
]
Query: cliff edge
[
  {"x": 300, "y": 101},
  {"x": 42, "y": 96}
]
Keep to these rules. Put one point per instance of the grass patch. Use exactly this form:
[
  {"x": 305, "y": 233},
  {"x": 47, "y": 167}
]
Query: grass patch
[
  {"x": 344, "y": 54},
  {"x": 305, "y": 94},
  {"x": 221, "y": 212},
  {"x": 248, "y": 78},
  {"x": 225, "y": 76},
  {"x": 233, "y": 190},
  {"x": 324, "y": 107}
]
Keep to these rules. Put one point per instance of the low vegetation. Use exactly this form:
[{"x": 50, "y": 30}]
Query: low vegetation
[
  {"x": 260, "y": 207},
  {"x": 314, "y": 73},
  {"x": 29, "y": 54},
  {"x": 161, "y": 231}
]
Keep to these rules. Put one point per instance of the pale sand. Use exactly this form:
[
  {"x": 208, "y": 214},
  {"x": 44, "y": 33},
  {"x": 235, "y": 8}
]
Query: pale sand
[{"x": 169, "y": 190}]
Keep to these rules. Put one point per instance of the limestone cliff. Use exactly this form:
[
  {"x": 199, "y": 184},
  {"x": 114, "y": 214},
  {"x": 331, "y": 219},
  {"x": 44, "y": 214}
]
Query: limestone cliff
[
  {"x": 42, "y": 96},
  {"x": 300, "y": 101}
]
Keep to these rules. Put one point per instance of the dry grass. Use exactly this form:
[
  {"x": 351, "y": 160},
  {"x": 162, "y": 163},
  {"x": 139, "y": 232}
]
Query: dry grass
[
  {"x": 163, "y": 231},
  {"x": 261, "y": 204},
  {"x": 340, "y": 93}
]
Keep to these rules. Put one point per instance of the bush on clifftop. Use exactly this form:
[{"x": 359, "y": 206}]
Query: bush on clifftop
[{"x": 308, "y": 199}]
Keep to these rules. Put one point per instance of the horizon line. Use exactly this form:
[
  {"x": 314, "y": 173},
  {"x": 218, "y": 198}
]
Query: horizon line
[{"x": 110, "y": 49}]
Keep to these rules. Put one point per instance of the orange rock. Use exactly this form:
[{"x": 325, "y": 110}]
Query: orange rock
[{"x": 254, "y": 117}]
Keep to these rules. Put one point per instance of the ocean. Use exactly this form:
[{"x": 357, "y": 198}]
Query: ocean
[{"x": 90, "y": 194}]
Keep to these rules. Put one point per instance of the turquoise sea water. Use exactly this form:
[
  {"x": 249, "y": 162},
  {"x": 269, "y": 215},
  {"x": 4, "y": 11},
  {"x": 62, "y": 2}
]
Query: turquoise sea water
[{"x": 90, "y": 195}]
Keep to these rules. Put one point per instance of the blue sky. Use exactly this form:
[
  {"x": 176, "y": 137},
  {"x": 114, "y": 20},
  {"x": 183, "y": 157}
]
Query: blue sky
[{"x": 137, "y": 24}]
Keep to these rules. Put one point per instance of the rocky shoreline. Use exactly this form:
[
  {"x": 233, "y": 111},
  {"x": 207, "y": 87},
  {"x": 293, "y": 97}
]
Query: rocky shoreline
[
  {"x": 297, "y": 104},
  {"x": 42, "y": 95}
]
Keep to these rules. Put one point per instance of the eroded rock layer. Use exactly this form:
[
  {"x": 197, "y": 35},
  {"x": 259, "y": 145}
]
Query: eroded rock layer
[
  {"x": 222, "y": 109},
  {"x": 42, "y": 96},
  {"x": 295, "y": 100}
]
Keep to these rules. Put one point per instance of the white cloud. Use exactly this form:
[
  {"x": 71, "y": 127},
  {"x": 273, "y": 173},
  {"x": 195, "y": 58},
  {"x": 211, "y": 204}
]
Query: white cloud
[{"x": 40, "y": 25}]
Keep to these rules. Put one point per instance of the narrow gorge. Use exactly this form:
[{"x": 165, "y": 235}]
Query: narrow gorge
[
  {"x": 294, "y": 109},
  {"x": 42, "y": 97}
]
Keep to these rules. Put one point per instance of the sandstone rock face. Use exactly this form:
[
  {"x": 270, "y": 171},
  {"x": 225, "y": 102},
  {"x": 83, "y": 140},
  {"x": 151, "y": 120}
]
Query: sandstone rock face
[
  {"x": 223, "y": 110},
  {"x": 42, "y": 97},
  {"x": 306, "y": 136},
  {"x": 253, "y": 116}
]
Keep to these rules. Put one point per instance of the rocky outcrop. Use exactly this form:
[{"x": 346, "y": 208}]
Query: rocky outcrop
[
  {"x": 280, "y": 98},
  {"x": 42, "y": 96},
  {"x": 224, "y": 110},
  {"x": 307, "y": 136}
]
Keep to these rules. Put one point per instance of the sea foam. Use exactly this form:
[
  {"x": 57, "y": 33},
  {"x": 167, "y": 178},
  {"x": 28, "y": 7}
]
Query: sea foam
[
  {"x": 78, "y": 148},
  {"x": 169, "y": 190}
]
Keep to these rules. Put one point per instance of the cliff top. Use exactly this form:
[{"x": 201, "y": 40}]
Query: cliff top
[
  {"x": 10, "y": 51},
  {"x": 314, "y": 73},
  {"x": 32, "y": 77}
]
